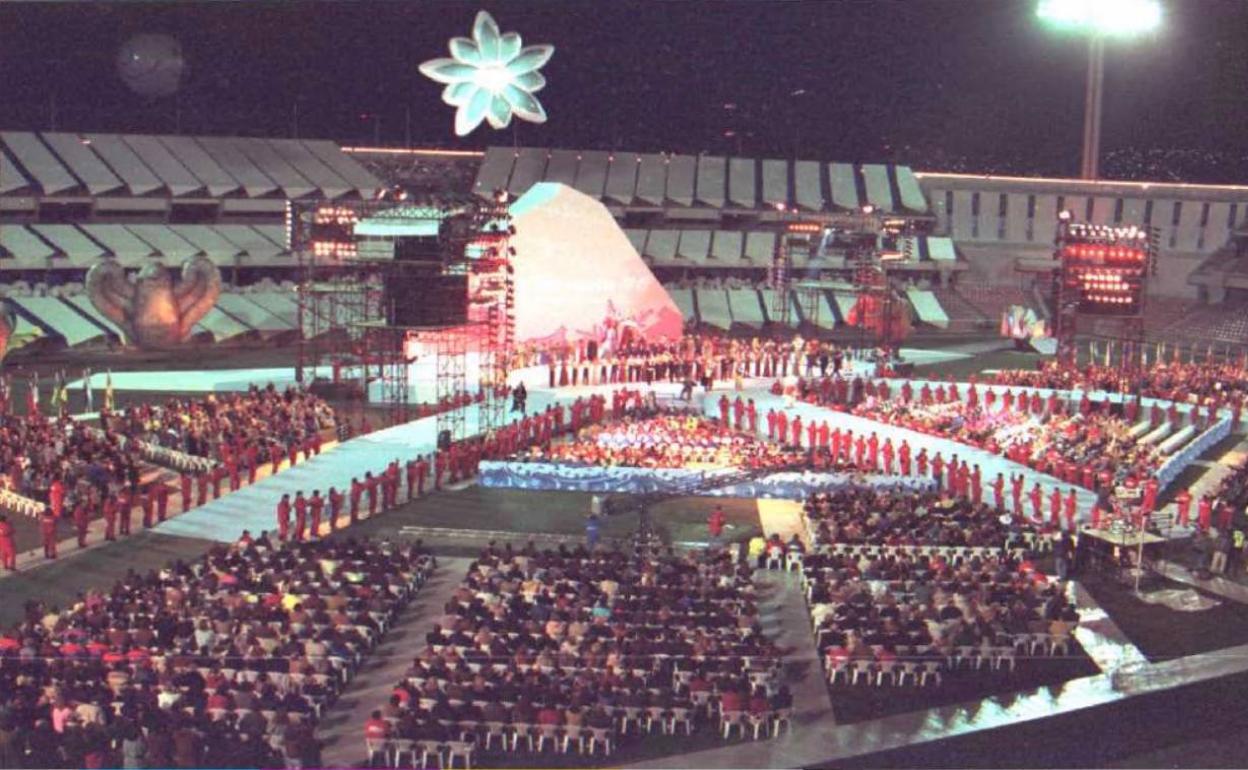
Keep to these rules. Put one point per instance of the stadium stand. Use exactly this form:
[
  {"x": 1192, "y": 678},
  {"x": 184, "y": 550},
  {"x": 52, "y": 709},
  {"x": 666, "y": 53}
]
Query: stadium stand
[
  {"x": 992, "y": 301},
  {"x": 51, "y": 163},
  {"x": 746, "y": 308},
  {"x": 927, "y": 308},
  {"x": 659, "y": 180},
  {"x": 713, "y": 308},
  {"x": 963, "y": 316}
]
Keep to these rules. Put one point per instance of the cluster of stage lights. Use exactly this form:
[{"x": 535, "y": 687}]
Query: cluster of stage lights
[
  {"x": 335, "y": 215},
  {"x": 1104, "y": 281},
  {"x": 1089, "y": 253},
  {"x": 334, "y": 249},
  {"x": 1108, "y": 287},
  {"x": 333, "y": 232},
  {"x": 1105, "y": 233}
]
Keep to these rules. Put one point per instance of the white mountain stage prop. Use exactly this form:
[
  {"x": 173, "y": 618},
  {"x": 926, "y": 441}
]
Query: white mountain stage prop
[{"x": 578, "y": 277}]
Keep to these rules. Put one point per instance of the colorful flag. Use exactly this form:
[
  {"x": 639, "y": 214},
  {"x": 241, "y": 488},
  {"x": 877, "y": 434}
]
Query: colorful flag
[
  {"x": 32, "y": 396},
  {"x": 86, "y": 389},
  {"x": 60, "y": 395},
  {"x": 108, "y": 391}
]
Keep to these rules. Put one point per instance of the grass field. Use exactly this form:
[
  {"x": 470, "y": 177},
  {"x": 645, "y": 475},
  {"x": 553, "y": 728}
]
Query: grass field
[{"x": 527, "y": 512}]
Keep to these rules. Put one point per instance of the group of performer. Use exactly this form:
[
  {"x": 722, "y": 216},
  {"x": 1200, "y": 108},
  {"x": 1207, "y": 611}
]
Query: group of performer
[
  {"x": 116, "y": 501},
  {"x": 241, "y": 433},
  {"x": 959, "y": 478},
  {"x": 667, "y": 441},
  {"x": 700, "y": 358}
]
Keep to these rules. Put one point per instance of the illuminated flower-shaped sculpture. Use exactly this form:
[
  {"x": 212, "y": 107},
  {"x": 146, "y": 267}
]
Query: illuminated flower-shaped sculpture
[{"x": 491, "y": 77}]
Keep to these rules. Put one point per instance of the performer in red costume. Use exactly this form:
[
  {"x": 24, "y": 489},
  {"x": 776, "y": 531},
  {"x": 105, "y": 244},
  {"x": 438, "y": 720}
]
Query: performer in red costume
[
  {"x": 8, "y": 550},
  {"x": 283, "y": 517}
]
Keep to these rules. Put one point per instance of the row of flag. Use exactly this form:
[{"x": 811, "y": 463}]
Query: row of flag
[
  {"x": 60, "y": 393},
  {"x": 1131, "y": 352}
]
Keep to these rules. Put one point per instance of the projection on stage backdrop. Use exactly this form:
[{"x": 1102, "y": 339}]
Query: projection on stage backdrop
[
  {"x": 490, "y": 77},
  {"x": 578, "y": 277}
]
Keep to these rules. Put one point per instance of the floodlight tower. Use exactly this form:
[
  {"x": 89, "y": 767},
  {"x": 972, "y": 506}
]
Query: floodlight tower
[{"x": 1099, "y": 20}]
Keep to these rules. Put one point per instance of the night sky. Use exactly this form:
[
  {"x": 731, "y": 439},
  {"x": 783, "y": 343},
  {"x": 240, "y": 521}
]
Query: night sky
[{"x": 940, "y": 84}]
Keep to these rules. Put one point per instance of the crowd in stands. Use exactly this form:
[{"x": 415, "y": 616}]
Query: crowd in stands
[
  {"x": 1138, "y": 164},
  {"x": 904, "y": 587},
  {"x": 59, "y": 468},
  {"x": 230, "y": 427},
  {"x": 1086, "y": 442},
  {"x": 538, "y": 647},
  {"x": 1175, "y": 164},
  {"x": 1208, "y": 382},
  {"x": 861, "y": 516},
  {"x": 1074, "y": 443},
  {"x": 224, "y": 662},
  {"x": 58, "y": 461}
]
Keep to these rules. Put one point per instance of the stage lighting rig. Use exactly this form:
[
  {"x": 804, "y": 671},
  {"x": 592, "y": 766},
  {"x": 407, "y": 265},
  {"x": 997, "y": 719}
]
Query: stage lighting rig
[
  {"x": 1104, "y": 267},
  {"x": 1101, "y": 270}
]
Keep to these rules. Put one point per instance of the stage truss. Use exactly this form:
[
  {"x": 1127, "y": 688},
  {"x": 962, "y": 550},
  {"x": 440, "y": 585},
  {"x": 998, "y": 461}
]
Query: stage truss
[
  {"x": 346, "y": 327},
  {"x": 1070, "y": 320},
  {"x": 802, "y": 240}
]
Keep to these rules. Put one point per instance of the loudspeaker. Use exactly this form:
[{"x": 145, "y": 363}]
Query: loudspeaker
[
  {"x": 420, "y": 298},
  {"x": 345, "y": 390},
  {"x": 444, "y": 439},
  {"x": 418, "y": 249}
]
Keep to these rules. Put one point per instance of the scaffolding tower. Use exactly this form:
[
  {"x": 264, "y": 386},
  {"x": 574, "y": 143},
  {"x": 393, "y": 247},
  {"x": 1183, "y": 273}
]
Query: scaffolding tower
[
  {"x": 781, "y": 281},
  {"x": 1070, "y": 321},
  {"x": 488, "y": 260},
  {"x": 351, "y": 335}
]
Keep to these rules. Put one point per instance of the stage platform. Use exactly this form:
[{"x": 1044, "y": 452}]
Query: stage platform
[
  {"x": 989, "y": 464},
  {"x": 253, "y": 507},
  {"x": 422, "y": 387},
  {"x": 421, "y": 377},
  {"x": 720, "y": 482}
]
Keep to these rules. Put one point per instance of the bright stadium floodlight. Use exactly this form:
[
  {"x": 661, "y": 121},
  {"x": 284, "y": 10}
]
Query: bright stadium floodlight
[
  {"x": 1099, "y": 19},
  {"x": 1110, "y": 18}
]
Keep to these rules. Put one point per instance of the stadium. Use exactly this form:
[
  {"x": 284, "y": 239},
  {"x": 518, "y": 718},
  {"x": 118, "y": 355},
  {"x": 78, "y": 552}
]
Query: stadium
[{"x": 729, "y": 446}]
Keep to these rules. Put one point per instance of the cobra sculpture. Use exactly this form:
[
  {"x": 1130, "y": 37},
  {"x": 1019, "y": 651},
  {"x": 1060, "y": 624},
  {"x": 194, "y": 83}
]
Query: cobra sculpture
[
  {"x": 8, "y": 325},
  {"x": 149, "y": 308}
]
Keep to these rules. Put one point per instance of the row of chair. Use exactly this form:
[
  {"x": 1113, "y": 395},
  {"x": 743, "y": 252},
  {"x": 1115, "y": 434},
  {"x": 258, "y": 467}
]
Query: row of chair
[
  {"x": 392, "y": 752},
  {"x": 921, "y": 672},
  {"x": 896, "y": 672},
  {"x": 952, "y": 552},
  {"x": 764, "y": 725}
]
